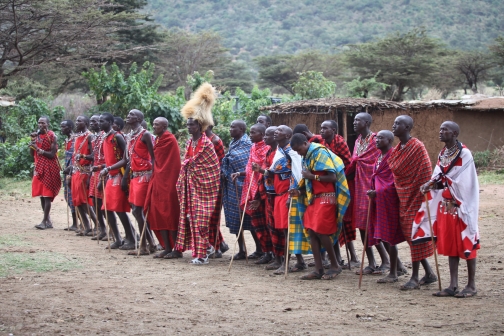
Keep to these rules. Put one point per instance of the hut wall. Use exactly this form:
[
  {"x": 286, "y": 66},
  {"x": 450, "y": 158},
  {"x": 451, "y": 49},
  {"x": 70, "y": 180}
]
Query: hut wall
[
  {"x": 426, "y": 125},
  {"x": 480, "y": 130}
]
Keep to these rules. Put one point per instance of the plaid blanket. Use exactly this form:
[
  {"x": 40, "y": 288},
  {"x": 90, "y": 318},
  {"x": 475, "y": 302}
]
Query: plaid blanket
[
  {"x": 257, "y": 155},
  {"x": 338, "y": 146},
  {"x": 235, "y": 161},
  {"x": 48, "y": 170},
  {"x": 362, "y": 166},
  {"x": 319, "y": 158},
  {"x": 411, "y": 167},
  {"x": 197, "y": 189}
]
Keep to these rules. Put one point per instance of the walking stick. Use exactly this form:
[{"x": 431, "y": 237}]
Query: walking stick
[
  {"x": 346, "y": 247},
  {"x": 241, "y": 223},
  {"x": 143, "y": 231},
  {"x": 433, "y": 241},
  {"x": 96, "y": 211},
  {"x": 106, "y": 212},
  {"x": 218, "y": 224},
  {"x": 287, "y": 242},
  {"x": 365, "y": 243}
]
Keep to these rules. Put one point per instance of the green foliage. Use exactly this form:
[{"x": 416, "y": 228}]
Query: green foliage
[
  {"x": 403, "y": 61},
  {"x": 23, "y": 87},
  {"x": 482, "y": 159},
  {"x": 313, "y": 84},
  {"x": 491, "y": 177},
  {"x": 195, "y": 80},
  {"x": 361, "y": 88},
  {"x": 21, "y": 120},
  {"x": 248, "y": 105},
  {"x": 16, "y": 159},
  {"x": 266, "y": 27},
  {"x": 498, "y": 49},
  {"x": 168, "y": 106}
]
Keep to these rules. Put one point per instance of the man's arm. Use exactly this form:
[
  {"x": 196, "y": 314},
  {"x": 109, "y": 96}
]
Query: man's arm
[{"x": 147, "y": 140}]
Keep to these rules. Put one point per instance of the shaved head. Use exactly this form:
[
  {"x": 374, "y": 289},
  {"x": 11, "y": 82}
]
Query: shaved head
[
  {"x": 365, "y": 116},
  {"x": 240, "y": 124},
  {"x": 387, "y": 135},
  {"x": 259, "y": 128},
  {"x": 286, "y": 129},
  {"x": 138, "y": 114},
  {"x": 452, "y": 126},
  {"x": 407, "y": 120},
  {"x": 271, "y": 129},
  {"x": 162, "y": 120}
]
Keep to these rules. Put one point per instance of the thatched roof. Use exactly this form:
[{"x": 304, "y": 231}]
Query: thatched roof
[{"x": 324, "y": 105}]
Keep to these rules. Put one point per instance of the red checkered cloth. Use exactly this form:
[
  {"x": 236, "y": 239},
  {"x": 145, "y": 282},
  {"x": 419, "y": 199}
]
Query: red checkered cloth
[
  {"x": 362, "y": 167},
  {"x": 47, "y": 170},
  {"x": 214, "y": 225},
  {"x": 197, "y": 189},
  {"x": 258, "y": 153},
  {"x": 338, "y": 146},
  {"x": 219, "y": 148},
  {"x": 261, "y": 228},
  {"x": 412, "y": 168},
  {"x": 277, "y": 236}
]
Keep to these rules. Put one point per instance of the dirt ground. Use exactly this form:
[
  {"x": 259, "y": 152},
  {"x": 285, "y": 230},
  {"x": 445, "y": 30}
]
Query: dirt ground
[{"x": 112, "y": 293}]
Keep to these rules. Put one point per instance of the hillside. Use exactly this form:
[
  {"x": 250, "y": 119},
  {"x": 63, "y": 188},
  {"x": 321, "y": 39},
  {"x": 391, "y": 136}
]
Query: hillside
[{"x": 262, "y": 27}]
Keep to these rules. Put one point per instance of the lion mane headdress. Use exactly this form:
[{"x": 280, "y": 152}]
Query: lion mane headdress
[{"x": 199, "y": 107}]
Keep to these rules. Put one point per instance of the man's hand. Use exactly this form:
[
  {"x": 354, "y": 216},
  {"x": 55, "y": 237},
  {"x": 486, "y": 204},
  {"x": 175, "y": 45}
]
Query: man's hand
[
  {"x": 294, "y": 193},
  {"x": 33, "y": 136},
  {"x": 371, "y": 193},
  {"x": 256, "y": 167},
  {"x": 308, "y": 134},
  {"x": 95, "y": 168},
  {"x": 234, "y": 176},
  {"x": 426, "y": 187},
  {"x": 40, "y": 151},
  {"x": 103, "y": 172},
  {"x": 124, "y": 184},
  {"x": 253, "y": 205},
  {"x": 308, "y": 175}
]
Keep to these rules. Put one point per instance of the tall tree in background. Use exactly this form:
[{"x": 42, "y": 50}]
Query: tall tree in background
[
  {"x": 58, "y": 33},
  {"x": 283, "y": 70},
  {"x": 404, "y": 61},
  {"x": 498, "y": 49},
  {"x": 474, "y": 66}
]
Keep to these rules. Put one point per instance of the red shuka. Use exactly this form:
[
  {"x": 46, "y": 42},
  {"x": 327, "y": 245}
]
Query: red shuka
[
  {"x": 116, "y": 198},
  {"x": 46, "y": 178},
  {"x": 162, "y": 199},
  {"x": 80, "y": 189},
  {"x": 140, "y": 161}
]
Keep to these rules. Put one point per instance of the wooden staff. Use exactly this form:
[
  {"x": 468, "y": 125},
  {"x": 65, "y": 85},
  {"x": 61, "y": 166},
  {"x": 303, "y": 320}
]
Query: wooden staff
[
  {"x": 365, "y": 243},
  {"x": 287, "y": 254},
  {"x": 143, "y": 231},
  {"x": 96, "y": 210},
  {"x": 346, "y": 246},
  {"x": 241, "y": 223},
  {"x": 88, "y": 208},
  {"x": 218, "y": 224},
  {"x": 106, "y": 212},
  {"x": 433, "y": 241}
]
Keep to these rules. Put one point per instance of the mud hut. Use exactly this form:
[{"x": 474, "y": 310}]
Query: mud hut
[{"x": 481, "y": 120}]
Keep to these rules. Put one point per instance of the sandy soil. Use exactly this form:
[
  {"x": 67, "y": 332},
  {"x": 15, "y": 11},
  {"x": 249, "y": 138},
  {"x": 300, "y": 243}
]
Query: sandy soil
[{"x": 117, "y": 294}]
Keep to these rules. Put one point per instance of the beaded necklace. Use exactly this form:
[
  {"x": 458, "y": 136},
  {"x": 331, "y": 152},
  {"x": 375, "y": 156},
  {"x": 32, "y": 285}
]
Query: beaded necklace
[
  {"x": 363, "y": 144},
  {"x": 380, "y": 158},
  {"x": 133, "y": 137},
  {"x": 448, "y": 154}
]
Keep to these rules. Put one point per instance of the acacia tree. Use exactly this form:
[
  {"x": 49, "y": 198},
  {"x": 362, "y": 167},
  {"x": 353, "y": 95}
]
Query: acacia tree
[
  {"x": 404, "y": 61},
  {"x": 313, "y": 84},
  {"x": 498, "y": 49},
  {"x": 474, "y": 66},
  {"x": 59, "y": 33}
]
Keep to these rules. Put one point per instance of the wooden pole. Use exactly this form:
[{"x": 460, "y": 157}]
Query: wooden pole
[
  {"x": 346, "y": 246},
  {"x": 344, "y": 117},
  {"x": 365, "y": 244},
  {"x": 287, "y": 254},
  {"x": 241, "y": 223},
  {"x": 143, "y": 232},
  {"x": 433, "y": 241},
  {"x": 96, "y": 210},
  {"x": 106, "y": 213}
]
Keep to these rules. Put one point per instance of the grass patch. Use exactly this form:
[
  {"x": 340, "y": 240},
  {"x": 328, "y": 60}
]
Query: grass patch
[
  {"x": 11, "y": 240},
  {"x": 491, "y": 177},
  {"x": 15, "y": 263},
  {"x": 11, "y": 187}
]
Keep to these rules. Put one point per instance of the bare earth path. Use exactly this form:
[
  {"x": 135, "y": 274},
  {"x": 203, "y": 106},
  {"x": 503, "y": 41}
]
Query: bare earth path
[{"x": 112, "y": 293}]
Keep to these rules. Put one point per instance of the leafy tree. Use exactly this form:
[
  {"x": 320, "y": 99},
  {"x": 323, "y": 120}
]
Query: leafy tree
[
  {"x": 404, "y": 61},
  {"x": 61, "y": 33},
  {"x": 474, "y": 66},
  {"x": 234, "y": 75},
  {"x": 313, "y": 84},
  {"x": 498, "y": 49},
  {"x": 361, "y": 88},
  {"x": 249, "y": 105},
  {"x": 22, "y": 87},
  {"x": 195, "y": 80}
]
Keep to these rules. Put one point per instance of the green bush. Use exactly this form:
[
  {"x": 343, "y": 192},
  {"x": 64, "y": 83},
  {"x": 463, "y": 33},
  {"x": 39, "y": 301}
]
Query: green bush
[
  {"x": 482, "y": 159},
  {"x": 16, "y": 159}
]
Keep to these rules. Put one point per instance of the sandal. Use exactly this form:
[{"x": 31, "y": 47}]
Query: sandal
[
  {"x": 273, "y": 266},
  {"x": 239, "y": 256},
  {"x": 199, "y": 261},
  {"x": 256, "y": 255},
  {"x": 446, "y": 292},
  {"x": 465, "y": 293},
  {"x": 266, "y": 258},
  {"x": 142, "y": 252},
  {"x": 297, "y": 268},
  {"x": 428, "y": 280},
  {"x": 381, "y": 270},
  {"x": 173, "y": 255},
  {"x": 353, "y": 264},
  {"x": 160, "y": 255},
  {"x": 409, "y": 286},
  {"x": 387, "y": 280},
  {"x": 280, "y": 270},
  {"x": 402, "y": 272},
  {"x": 366, "y": 271},
  {"x": 332, "y": 273},
  {"x": 312, "y": 276}
]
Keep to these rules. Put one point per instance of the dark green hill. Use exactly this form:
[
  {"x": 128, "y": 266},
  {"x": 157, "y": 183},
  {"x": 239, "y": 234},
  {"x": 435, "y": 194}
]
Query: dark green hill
[{"x": 262, "y": 27}]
